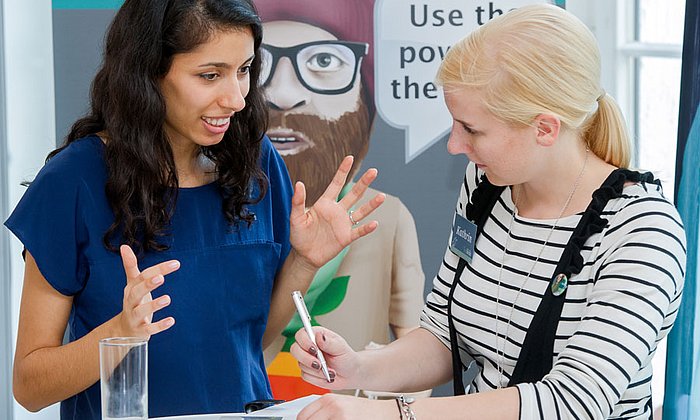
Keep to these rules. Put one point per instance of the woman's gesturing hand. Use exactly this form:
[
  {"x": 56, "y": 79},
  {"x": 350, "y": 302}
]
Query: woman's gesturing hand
[
  {"x": 136, "y": 317},
  {"x": 319, "y": 233}
]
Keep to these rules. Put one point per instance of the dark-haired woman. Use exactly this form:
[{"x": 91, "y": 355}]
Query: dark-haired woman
[{"x": 171, "y": 165}]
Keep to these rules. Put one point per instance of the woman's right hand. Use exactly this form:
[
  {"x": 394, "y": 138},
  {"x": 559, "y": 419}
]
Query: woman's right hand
[
  {"x": 136, "y": 317},
  {"x": 343, "y": 362}
]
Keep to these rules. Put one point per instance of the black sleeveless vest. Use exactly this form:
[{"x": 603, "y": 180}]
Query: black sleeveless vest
[{"x": 537, "y": 352}]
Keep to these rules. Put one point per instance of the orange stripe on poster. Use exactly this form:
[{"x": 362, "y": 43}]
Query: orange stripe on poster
[
  {"x": 289, "y": 388},
  {"x": 284, "y": 365},
  {"x": 285, "y": 379}
]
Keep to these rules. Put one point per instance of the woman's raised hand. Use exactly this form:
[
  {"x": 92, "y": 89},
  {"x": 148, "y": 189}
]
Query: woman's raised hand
[
  {"x": 136, "y": 317},
  {"x": 319, "y": 233}
]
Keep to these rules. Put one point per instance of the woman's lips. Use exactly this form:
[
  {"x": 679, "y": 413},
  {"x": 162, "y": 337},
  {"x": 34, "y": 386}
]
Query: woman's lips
[{"x": 216, "y": 125}]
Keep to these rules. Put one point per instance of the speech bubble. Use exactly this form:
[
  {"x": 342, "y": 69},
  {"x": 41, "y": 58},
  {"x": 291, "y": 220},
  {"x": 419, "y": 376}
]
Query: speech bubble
[{"x": 410, "y": 41}]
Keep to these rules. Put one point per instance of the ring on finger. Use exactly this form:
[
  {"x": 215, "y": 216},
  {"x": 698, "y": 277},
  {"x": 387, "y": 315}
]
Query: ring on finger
[{"x": 353, "y": 221}]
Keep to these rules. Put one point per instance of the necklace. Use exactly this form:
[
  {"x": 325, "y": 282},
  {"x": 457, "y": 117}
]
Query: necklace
[{"x": 500, "y": 354}]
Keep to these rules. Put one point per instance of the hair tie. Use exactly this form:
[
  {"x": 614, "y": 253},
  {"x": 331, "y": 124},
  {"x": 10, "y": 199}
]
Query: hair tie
[{"x": 601, "y": 96}]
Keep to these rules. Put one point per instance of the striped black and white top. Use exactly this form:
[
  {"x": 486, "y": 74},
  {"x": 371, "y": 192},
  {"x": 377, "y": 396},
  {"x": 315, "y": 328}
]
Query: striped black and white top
[{"x": 616, "y": 311}]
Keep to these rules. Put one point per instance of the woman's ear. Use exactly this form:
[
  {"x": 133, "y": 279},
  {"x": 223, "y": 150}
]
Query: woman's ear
[{"x": 548, "y": 127}]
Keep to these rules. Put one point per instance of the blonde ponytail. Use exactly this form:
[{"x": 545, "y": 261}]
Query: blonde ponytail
[{"x": 606, "y": 133}]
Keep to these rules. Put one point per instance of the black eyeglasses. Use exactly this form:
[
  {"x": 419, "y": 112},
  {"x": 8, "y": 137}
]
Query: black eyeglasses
[{"x": 327, "y": 67}]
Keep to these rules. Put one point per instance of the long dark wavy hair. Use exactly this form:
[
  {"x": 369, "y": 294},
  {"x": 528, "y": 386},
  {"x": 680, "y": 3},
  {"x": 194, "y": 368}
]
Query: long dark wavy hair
[{"x": 127, "y": 104}]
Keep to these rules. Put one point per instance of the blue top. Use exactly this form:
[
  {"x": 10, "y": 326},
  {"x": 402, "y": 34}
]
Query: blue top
[{"x": 211, "y": 360}]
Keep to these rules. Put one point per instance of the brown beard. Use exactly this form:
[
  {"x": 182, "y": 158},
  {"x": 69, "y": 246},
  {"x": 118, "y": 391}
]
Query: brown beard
[{"x": 333, "y": 140}]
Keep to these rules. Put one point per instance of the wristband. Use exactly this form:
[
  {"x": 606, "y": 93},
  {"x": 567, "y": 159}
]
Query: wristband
[{"x": 404, "y": 407}]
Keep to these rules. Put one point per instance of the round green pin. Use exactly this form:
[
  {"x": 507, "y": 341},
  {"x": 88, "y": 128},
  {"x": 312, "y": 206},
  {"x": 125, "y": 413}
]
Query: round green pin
[{"x": 559, "y": 284}]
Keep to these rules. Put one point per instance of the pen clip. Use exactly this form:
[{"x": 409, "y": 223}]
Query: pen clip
[
  {"x": 306, "y": 310},
  {"x": 301, "y": 305}
]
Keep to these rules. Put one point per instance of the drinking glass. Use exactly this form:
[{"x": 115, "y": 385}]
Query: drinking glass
[{"x": 124, "y": 378}]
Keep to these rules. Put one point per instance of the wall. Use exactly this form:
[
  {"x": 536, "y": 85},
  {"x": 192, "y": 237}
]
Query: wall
[
  {"x": 5, "y": 290},
  {"x": 29, "y": 132}
]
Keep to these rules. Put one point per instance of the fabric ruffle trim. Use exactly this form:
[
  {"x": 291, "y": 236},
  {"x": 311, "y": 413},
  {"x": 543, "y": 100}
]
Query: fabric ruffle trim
[
  {"x": 591, "y": 221},
  {"x": 483, "y": 189}
]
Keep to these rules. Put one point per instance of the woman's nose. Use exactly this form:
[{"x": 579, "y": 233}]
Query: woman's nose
[
  {"x": 458, "y": 144},
  {"x": 233, "y": 96}
]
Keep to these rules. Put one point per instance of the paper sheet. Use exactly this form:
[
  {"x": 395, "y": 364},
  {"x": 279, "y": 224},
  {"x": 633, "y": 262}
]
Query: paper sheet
[{"x": 284, "y": 411}]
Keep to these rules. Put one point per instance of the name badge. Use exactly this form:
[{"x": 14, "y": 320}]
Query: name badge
[{"x": 463, "y": 236}]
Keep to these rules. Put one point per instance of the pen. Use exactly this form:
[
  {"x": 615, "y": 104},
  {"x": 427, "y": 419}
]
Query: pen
[{"x": 306, "y": 320}]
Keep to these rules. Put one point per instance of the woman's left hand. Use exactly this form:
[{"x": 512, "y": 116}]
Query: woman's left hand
[
  {"x": 344, "y": 407},
  {"x": 319, "y": 233}
]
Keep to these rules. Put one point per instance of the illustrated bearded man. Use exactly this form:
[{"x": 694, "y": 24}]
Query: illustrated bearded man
[{"x": 314, "y": 130}]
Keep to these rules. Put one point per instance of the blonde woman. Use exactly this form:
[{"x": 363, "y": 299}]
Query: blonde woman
[{"x": 564, "y": 268}]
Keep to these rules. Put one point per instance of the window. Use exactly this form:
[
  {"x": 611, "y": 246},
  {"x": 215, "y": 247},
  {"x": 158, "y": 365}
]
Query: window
[
  {"x": 650, "y": 36},
  {"x": 641, "y": 45},
  {"x": 656, "y": 52}
]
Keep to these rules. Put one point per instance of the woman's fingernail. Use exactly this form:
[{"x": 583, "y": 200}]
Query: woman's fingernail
[
  {"x": 312, "y": 350},
  {"x": 323, "y": 336},
  {"x": 174, "y": 264},
  {"x": 164, "y": 301},
  {"x": 315, "y": 365},
  {"x": 332, "y": 375}
]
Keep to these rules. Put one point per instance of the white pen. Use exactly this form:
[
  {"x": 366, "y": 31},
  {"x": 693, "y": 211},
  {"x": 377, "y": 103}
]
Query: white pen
[{"x": 306, "y": 320}]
